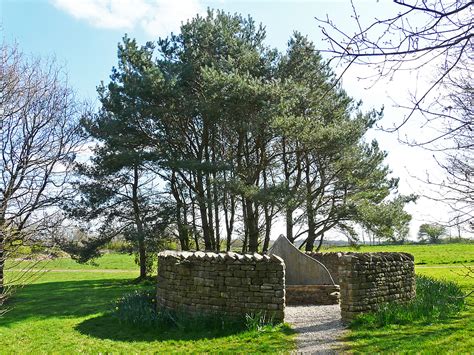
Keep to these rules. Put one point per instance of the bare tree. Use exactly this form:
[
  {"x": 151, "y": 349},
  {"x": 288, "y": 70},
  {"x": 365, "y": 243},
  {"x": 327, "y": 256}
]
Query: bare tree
[
  {"x": 39, "y": 139},
  {"x": 421, "y": 32},
  {"x": 435, "y": 32},
  {"x": 457, "y": 188}
]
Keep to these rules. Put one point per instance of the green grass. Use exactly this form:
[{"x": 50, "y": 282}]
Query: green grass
[
  {"x": 67, "y": 312},
  {"x": 111, "y": 261},
  {"x": 452, "y": 335},
  {"x": 424, "y": 254},
  {"x": 436, "y": 300}
]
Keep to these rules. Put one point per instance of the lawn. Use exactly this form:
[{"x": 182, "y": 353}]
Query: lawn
[
  {"x": 109, "y": 261},
  {"x": 452, "y": 336},
  {"x": 425, "y": 254},
  {"x": 67, "y": 312}
]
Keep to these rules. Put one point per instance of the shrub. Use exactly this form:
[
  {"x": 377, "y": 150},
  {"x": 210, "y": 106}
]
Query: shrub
[
  {"x": 119, "y": 246},
  {"x": 139, "y": 309},
  {"x": 258, "y": 322},
  {"x": 435, "y": 301}
]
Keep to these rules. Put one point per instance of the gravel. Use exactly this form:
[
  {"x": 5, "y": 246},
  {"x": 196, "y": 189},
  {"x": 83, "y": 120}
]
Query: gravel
[{"x": 318, "y": 328}]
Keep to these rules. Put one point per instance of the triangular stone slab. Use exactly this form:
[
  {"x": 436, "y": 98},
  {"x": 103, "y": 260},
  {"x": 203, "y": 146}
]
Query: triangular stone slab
[{"x": 301, "y": 269}]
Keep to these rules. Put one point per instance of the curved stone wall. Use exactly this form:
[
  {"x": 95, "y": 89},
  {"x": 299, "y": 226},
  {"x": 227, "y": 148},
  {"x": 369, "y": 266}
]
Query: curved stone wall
[
  {"x": 235, "y": 284},
  {"x": 224, "y": 283},
  {"x": 368, "y": 280}
]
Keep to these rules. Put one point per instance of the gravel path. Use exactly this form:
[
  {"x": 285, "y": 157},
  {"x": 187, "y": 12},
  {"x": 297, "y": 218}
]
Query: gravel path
[{"x": 318, "y": 328}]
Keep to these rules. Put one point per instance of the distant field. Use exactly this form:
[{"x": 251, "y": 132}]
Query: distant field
[
  {"x": 424, "y": 254},
  {"x": 112, "y": 261}
]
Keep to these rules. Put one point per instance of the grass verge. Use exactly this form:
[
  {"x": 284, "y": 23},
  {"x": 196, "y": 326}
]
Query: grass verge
[
  {"x": 436, "y": 300},
  {"x": 67, "y": 312},
  {"x": 451, "y": 335}
]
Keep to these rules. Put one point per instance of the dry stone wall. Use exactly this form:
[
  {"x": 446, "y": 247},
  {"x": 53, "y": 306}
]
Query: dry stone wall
[
  {"x": 330, "y": 260},
  {"x": 368, "y": 280},
  {"x": 224, "y": 283},
  {"x": 312, "y": 294}
]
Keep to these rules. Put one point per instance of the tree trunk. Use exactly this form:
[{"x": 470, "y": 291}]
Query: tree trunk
[
  {"x": 209, "y": 207},
  {"x": 311, "y": 228},
  {"x": 309, "y": 210},
  {"x": 229, "y": 217},
  {"x": 142, "y": 258},
  {"x": 320, "y": 243},
  {"x": 267, "y": 209},
  {"x": 268, "y": 228},
  {"x": 183, "y": 233},
  {"x": 215, "y": 194},
  {"x": 138, "y": 224},
  {"x": 201, "y": 199},
  {"x": 246, "y": 227},
  {"x": 216, "y": 216},
  {"x": 252, "y": 224},
  {"x": 2, "y": 263},
  {"x": 289, "y": 224},
  {"x": 181, "y": 214},
  {"x": 193, "y": 213},
  {"x": 289, "y": 210}
]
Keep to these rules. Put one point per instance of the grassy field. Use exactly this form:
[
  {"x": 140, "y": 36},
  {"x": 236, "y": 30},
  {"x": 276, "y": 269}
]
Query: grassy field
[
  {"x": 66, "y": 311},
  {"x": 424, "y": 254},
  {"x": 110, "y": 261},
  {"x": 452, "y": 336}
]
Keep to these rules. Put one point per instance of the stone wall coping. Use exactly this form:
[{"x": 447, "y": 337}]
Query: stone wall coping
[
  {"x": 228, "y": 256},
  {"x": 377, "y": 256},
  {"x": 385, "y": 255},
  {"x": 326, "y": 253}
]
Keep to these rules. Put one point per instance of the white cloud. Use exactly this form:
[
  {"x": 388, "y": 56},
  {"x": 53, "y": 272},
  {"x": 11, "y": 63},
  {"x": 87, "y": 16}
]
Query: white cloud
[{"x": 155, "y": 17}]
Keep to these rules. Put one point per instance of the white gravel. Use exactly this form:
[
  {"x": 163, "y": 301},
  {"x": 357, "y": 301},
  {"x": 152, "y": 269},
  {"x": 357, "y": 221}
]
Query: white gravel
[{"x": 319, "y": 328}]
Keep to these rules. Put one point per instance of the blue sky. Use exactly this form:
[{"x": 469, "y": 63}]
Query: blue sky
[
  {"x": 87, "y": 48},
  {"x": 88, "y": 51},
  {"x": 83, "y": 34}
]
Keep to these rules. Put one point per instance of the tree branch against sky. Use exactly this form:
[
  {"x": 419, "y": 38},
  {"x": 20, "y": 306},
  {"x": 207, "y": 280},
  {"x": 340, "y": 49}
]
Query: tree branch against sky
[
  {"x": 435, "y": 33},
  {"x": 433, "y": 42}
]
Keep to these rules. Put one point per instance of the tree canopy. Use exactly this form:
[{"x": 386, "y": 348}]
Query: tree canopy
[
  {"x": 233, "y": 136},
  {"x": 431, "y": 232}
]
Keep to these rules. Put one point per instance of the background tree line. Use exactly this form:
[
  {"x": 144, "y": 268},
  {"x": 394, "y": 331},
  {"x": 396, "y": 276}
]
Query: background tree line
[{"x": 209, "y": 135}]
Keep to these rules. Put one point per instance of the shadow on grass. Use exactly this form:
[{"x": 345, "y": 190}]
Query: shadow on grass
[
  {"x": 65, "y": 299},
  {"x": 108, "y": 327},
  {"x": 83, "y": 298}
]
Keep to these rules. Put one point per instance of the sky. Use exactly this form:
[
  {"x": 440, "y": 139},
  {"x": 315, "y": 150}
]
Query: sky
[{"x": 82, "y": 36}]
